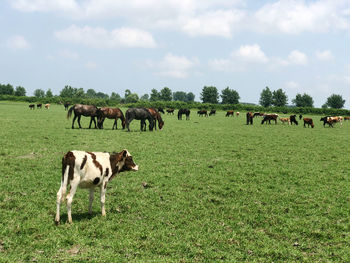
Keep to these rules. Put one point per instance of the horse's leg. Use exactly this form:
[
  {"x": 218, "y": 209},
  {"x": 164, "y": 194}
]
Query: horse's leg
[
  {"x": 75, "y": 116},
  {"x": 115, "y": 123},
  {"x": 79, "y": 117}
]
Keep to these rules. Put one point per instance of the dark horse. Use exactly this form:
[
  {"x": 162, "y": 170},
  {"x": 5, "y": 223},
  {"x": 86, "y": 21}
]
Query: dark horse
[
  {"x": 139, "y": 114},
  {"x": 155, "y": 114},
  {"x": 85, "y": 110},
  {"x": 183, "y": 111},
  {"x": 161, "y": 110},
  {"x": 110, "y": 113}
]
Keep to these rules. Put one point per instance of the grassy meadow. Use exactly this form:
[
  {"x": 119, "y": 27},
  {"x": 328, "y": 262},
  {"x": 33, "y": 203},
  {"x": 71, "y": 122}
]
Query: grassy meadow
[{"x": 208, "y": 190}]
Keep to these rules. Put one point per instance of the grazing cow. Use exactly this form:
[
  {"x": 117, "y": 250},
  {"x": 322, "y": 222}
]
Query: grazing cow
[
  {"x": 229, "y": 113},
  {"x": 269, "y": 118},
  {"x": 161, "y": 110},
  {"x": 309, "y": 122},
  {"x": 139, "y": 114},
  {"x": 47, "y": 106},
  {"x": 170, "y": 111},
  {"x": 237, "y": 114},
  {"x": 32, "y": 106},
  {"x": 300, "y": 116},
  {"x": 202, "y": 112},
  {"x": 250, "y": 116},
  {"x": 325, "y": 121},
  {"x": 293, "y": 119},
  {"x": 38, "y": 106},
  {"x": 156, "y": 116},
  {"x": 183, "y": 111},
  {"x": 284, "y": 120},
  {"x": 212, "y": 112},
  {"x": 336, "y": 119},
  {"x": 346, "y": 118},
  {"x": 89, "y": 170}
]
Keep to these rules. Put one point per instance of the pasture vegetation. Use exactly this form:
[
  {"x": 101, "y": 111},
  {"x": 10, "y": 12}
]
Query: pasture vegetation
[{"x": 209, "y": 189}]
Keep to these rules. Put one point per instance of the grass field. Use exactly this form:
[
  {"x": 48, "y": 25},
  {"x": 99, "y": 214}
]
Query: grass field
[{"x": 209, "y": 189}]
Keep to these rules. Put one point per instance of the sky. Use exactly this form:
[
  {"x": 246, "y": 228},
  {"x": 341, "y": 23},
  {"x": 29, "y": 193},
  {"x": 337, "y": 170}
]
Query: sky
[{"x": 299, "y": 46}]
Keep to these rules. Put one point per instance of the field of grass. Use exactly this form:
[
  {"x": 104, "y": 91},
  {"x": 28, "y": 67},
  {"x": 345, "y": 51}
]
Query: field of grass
[{"x": 209, "y": 189}]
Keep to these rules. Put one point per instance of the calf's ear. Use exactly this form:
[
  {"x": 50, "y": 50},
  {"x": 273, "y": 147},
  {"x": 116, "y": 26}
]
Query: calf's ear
[{"x": 125, "y": 152}]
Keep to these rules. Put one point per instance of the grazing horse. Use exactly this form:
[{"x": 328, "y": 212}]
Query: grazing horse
[
  {"x": 139, "y": 114},
  {"x": 66, "y": 105},
  {"x": 170, "y": 111},
  {"x": 229, "y": 113},
  {"x": 38, "y": 106},
  {"x": 161, "y": 110},
  {"x": 183, "y": 111},
  {"x": 212, "y": 112},
  {"x": 85, "y": 110},
  {"x": 269, "y": 118},
  {"x": 155, "y": 114},
  {"x": 309, "y": 122},
  {"x": 110, "y": 113},
  {"x": 202, "y": 112},
  {"x": 32, "y": 106}
]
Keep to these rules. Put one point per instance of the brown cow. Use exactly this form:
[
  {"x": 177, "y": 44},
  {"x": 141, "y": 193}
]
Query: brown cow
[
  {"x": 229, "y": 113},
  {"x": 170, "y": 111},
  {"x": 31, "y": 106},
  {"x": 202, "y": 112},
  {"x": 309, "y": 122},
  {"x": 47, "y": 106},
  {"x": 284, "y": 120},
  {"x": 269, "y": 118}
]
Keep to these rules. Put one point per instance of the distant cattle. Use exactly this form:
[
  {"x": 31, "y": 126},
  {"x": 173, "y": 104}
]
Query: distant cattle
[
  {"x": 237, "y": 114},
  {"x": 66, "y": 105},
  {"x": 285, "y": 120},
  {"x": 229, "y": 113},
  {"x": 89, "y": 170},
  {"x": 161, "y": 110},
  {"x": 183, "y": 111},
  {"x": 212, "y": 112},
  {"x": 346, "y": 118},
  {"x": 47, "y": 106},
  {"x": 269, "y": 118},
  {"x": 293, "y": 119},
  {"x": 31, "y": 106},
  {"x": 332, "y": 120},
  {"x": 38, "y": 106},
  {"x": 202, "y": 112},
  {"x": 300, "y": 117},
  {"x": 170, "y": 111},
  {"x": 251, "y": 115},
  {"x": 309, "y": 122}
]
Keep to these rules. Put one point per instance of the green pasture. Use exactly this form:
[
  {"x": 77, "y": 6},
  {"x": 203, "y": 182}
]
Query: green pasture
[{"x": 208, "y": 190}]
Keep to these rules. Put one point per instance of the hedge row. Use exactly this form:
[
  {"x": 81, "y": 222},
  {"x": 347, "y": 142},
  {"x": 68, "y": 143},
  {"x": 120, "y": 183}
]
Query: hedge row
[{"x": 180, "y": 104}]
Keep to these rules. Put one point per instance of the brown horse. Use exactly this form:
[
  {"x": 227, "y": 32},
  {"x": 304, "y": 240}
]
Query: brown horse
[
  {"x": 85, "y": 110},
  {"x": 155, "y": 114},
  {"x": 110, "y": 113}
]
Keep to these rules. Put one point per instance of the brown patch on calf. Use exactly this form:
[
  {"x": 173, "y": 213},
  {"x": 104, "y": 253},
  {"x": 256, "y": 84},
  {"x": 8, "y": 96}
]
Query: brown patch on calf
[
  {"x": 83, "y": 163},
  {"x": 128, "y": 165},
  {"x": 96, "y": 163},
  {"x": 107, "y": 172},
  {"x": 68, "y": 160}
]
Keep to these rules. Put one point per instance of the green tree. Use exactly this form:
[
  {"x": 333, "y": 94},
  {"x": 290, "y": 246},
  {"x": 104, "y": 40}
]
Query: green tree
[
  {"x": 68, "y": 92},
  {"x": 115, "y": 96},
  {"x": 303, "y": 100},
  {"x": 102, "y": 95},
  {"x": 210, "y": 95},
  {"x": 132, "y": 98},
  {"x": 49, "y": 94},
  {"x": 229, "y": 96},
  {"x": 155, "y": 96},
  {"x": 6, "y": 89},
  {"x": 179, "y": 96},
  {"x": 145, "y": 97},
  {"x": 91, "y": 93},
  {"x": 39, "y": 93},
  {"x": 127, "y": 93},
  {"x": 166, "y": 94},
  {"x": 80, "y": 93},
  {"x": 266, "y": 97},
  {"x": 190, "y": 97},
  {"x": 20, "y": 91},
  {"x": 279, "y": 98},
  {"x": 335, "y": 101}
]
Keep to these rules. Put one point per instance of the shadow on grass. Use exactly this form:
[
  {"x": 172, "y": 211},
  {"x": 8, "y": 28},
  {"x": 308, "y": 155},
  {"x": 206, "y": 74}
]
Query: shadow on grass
[{"x": 79, "y": 217}]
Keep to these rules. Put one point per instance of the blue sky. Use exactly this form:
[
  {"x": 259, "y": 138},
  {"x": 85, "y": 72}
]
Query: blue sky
[{"x": 113, "y": 45}]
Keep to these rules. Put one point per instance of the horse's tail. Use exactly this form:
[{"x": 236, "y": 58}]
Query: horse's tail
[{"x": 70, "y": 111}]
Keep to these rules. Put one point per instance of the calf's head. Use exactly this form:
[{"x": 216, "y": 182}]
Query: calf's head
[{"x": 122, "y": 161}]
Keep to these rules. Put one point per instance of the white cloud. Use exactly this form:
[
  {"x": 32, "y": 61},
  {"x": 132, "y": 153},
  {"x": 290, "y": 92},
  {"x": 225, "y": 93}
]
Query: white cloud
[
  {"x": 298, "y": 58},
  {"x": 44, "y": 5},
  {"x": 251, "y": 53},
  {"x": 174, "y": 66},
  {"x": 17, "y": 42},
  {"x": 99, "y": 37},
  {"x": 325, "y": 55}
]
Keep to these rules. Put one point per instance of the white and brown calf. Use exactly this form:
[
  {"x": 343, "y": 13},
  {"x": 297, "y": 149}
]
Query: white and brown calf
[{"x": 89, "y": 170}]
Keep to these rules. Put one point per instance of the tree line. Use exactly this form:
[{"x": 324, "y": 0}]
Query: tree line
[{"x": 209, "y": 94}]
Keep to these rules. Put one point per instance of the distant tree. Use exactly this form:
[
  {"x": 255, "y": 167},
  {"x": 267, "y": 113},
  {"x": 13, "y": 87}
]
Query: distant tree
[
  {"x": 209, "y": 95},
  {"x": 132, "y": 98},
  {"x": 324, "y": 106},
  {"x": 266, "y": 97},
  {"x": 20, "y": 91},
  {"x": 190, "y": 97},
  {"x": 303, "y": 100},
  {"x": 68, "y": 92},
  {"x": 115, "y": 96},
  {"x": 335, "y": 101},
  {"x": 179, "y": 96},
  {"x": 155, "y": 96},
  {"x": 49, "y": 94},
  {"x": 145, "y": 97},
  {"x": 91, "y": 93},
  {"x": 39, "y": 93},
  {"x": 166, "y": 94},
  {"x": 229, "y": 96},
  {"x": 279, "y": 98},
  {"x": 127, "y": 93},
  {"x": 80, "y": 93},
  {"x": 102, "y": 95},
  {"x": 6, "y": 89}
]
